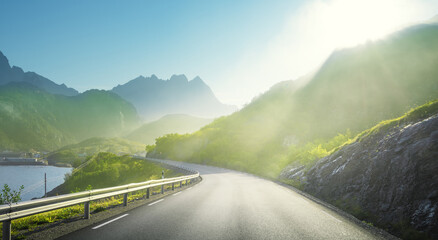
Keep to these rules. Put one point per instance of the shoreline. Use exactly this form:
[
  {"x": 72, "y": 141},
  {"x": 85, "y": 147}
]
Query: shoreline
[
  {"x": 23, "y": 164},
  {"x": 61, "y": 165}
]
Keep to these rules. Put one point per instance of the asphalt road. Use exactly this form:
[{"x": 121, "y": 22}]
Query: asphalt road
[{"x": 228, "y": 205}]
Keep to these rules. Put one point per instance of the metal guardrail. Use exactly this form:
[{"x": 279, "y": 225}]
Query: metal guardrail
[{"x": 32, "y": 207}]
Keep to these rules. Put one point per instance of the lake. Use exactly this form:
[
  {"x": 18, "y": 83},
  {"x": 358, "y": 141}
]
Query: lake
[{"x": 32, "y": 177}]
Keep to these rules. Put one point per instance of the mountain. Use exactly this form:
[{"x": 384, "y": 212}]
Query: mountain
[
  {"x": 35, "y": 119},
  {"x": 155, "y": 98},
  {"x": 386, "y": 175},
  {"x": 175, "y": 123},
  {"x": 15, "y": 74},
  {"x": 353, "y": 90}
]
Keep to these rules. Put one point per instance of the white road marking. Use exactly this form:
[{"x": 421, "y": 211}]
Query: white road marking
[
  {"x": 176, "y": 193},
  {"x": 150, "y": 204},
  {"x": 110, "y": 221},
  {"x": 328, "y": 214}
]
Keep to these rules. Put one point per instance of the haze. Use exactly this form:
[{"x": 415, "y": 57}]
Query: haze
[{"x": 239, "y": 49}]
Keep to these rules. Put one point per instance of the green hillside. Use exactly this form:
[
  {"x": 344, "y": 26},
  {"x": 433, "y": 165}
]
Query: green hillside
[
  {"x": 175, "y": 123},
  {"x": 75, "y": 154},
  {"x": 108, "y": 170},
  {"x": 34, "y": 119},
  {"x": 352, "y": 91}
]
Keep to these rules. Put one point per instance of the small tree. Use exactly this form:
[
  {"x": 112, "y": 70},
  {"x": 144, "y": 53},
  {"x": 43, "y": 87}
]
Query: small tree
[{"x": 9, "y": 196}]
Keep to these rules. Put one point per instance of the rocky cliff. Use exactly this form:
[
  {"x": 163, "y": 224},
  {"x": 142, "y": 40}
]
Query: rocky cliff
[{"x": 389, "y": 178}]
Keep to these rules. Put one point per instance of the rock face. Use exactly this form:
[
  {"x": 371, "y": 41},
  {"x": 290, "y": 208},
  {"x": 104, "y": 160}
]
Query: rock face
[
  {"x": 155, "y": 98},
  {"x": 389, "y": 178},
  {"x": 15, "y": 74}
]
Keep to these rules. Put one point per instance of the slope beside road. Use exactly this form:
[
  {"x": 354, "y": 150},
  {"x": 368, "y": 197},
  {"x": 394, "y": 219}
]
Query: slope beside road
[{"x": 228, "y": 205}]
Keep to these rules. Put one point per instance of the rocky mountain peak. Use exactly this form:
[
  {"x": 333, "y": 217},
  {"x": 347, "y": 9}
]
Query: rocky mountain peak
[
  {"x": 4, "y": 63},
  {"x": 179, "y": 78}
]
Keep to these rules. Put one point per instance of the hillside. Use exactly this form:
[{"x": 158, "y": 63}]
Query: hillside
[
  {"x": 175, "y": 123},
  {"x": 155, "y": 98},
  {"x": 16, "y": 74},
  {"x": 109, "y": 170},
  {"x": 34, "y": 119},
  {"x": 353, "y": 90},
  {"x": 75, "y": 154},
  {"x": 385, "y": 175}
]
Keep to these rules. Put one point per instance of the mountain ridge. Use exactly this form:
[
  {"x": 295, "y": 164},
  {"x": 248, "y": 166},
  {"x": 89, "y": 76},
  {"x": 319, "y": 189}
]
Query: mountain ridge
[
  {"x": 16, "y": 74},
  {"x": 155, "y": 98}
]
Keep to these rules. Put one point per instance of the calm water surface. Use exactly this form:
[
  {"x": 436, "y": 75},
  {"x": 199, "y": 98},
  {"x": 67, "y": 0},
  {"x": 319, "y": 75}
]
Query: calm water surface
[{"x": 32, "y": 177}]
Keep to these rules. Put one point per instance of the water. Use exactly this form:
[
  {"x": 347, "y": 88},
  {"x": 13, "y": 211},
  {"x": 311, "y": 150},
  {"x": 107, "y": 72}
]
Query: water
[{"x": 32, "y": 177}]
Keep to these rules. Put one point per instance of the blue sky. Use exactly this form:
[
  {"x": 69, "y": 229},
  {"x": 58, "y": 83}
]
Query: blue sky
[{"x": 99, "y": 44}]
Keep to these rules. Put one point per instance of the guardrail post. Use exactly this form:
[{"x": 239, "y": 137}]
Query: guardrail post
[
  {"x": 180, "y": 184},
  {"x": 162, "y": 189},
  {"x": 173, "y": 186},
  {"x": 87, "y": 210},
  {"x": 147, "y": 193},
  {"x": 125, "y": 199},
  {"x": 7, "y": 230}
]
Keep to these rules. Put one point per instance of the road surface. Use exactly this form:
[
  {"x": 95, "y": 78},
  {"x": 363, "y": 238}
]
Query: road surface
[{"x": 227, "y": 205}]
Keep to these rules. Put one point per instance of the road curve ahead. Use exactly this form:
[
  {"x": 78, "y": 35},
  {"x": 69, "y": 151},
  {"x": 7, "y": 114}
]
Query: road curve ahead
[{"x": 227, "y": 205}]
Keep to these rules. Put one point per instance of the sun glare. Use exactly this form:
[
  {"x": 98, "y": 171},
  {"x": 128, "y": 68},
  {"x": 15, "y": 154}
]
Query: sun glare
[
  {"x": 349, "y": 22},
  {"x": 319, "y": 28}
]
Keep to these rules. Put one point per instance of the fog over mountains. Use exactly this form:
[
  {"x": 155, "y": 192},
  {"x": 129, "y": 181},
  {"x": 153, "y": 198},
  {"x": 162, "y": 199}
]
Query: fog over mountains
[{"x": 154, "y": 97}]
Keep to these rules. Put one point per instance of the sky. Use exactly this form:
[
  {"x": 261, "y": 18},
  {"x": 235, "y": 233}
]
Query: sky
[{"x": 239, "y": 48}]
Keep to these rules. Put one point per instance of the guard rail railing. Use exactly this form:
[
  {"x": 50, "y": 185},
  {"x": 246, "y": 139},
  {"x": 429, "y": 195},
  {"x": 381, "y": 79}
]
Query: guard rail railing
[{"x": 32, "y": 207}]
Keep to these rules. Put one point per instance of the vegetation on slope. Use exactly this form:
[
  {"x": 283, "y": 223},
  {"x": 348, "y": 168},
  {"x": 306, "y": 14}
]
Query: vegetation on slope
[
  {"x": 175, "y": 123},
  {"x": 108, "y": 169},
  {"x": 76, "y": 154},
  {"x": 34, "y": 119},
  {"x": 354, "y": 90}
]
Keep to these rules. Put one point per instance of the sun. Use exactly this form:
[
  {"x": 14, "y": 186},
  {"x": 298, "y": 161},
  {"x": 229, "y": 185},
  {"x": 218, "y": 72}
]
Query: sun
[{"x": 351, "y": 22}]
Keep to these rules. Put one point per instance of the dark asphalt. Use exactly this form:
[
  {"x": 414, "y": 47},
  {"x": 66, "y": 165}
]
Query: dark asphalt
[{"x": 228, "y": 205}]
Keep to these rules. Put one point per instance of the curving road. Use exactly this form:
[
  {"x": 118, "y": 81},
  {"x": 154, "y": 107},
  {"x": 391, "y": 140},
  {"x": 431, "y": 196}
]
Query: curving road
[{"x": 228, "y": 205}]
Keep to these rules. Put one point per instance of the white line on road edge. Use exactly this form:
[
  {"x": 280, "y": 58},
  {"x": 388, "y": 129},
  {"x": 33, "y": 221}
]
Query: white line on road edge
[
  {"x": 150, "y": 204},
  {"x": 189, "y": 188},
  {"x": 110, "y": 221},
  {"x": 328, "y": 214},
  {"x": 176, "y": 193}
]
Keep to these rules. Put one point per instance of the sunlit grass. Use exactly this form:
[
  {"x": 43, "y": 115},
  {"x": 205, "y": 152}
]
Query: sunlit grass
[{"x": 421, "y": 112}]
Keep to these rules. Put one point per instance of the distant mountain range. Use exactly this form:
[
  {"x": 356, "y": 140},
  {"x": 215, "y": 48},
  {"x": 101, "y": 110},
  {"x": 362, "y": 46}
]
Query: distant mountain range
[
  {"x": 152, "y": 97},
  {"x": 155, "y": 98},
  {"x": 15, "y": 74}
]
